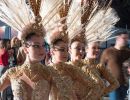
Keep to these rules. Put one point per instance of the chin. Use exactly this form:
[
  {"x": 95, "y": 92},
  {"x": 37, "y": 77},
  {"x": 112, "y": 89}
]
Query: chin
[
  {"x": 63, "y": 60},
  {"x": 38, "y": 60}
]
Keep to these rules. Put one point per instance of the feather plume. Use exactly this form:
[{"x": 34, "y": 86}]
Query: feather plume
[
  {"x": 18, "y": 14},
  {"x": 15, "y": 13},
  {"x": 73, "y": 19},
  {"x": 49, "y": 12},
  {"x": 57, "y": 21},
  {"x": 79, "y": 14},
  {"x": 101, "y": 25},
  {"x": 96, "y": 20}
]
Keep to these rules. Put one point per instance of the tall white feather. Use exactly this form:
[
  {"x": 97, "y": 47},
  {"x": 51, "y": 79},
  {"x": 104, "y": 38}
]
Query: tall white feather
[
  {"x": 51, "y": 18},
  {"x": 15, "y": 13},
  {"x": 101, "y": 25},
  {"x": 74, "y": 17},
  {"x": 49, "y": 12}
]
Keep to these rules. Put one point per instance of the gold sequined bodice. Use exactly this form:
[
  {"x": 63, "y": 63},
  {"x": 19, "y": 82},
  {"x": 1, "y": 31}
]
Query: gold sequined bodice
[
  {"x": 81, "y": 90},
  {"x": 104, "y": 74},
  {"x": 21, "y": 89},
  {"x": 66, "y": 83}
]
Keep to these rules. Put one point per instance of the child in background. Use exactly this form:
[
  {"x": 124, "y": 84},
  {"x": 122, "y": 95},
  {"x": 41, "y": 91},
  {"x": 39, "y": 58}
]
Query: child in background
[
  {"x": 11, "y": 59},
  {"x": 126, "y": 71}
]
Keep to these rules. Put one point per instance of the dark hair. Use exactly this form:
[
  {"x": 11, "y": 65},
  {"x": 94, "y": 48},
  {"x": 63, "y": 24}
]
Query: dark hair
[
  {"x": 2, "y": 43},
  {"x": 31, "y": 30},
  {"x": 71, "y": 42},
  {"x": 123, "y": 32},
  {"x": 56, "y": 42},
  {"x": 28, "y": 38},
  {"x": 125, "y": 67},
  {"x": 127, "y": 63}
]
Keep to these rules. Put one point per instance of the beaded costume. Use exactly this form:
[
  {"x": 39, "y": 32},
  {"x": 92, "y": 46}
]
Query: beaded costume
[
  {"x": 39, "y": 79},
  {"x": 94, "y": 27},
  {"x": 103, "y": 72},
  {"x": 30, "y": 81}
]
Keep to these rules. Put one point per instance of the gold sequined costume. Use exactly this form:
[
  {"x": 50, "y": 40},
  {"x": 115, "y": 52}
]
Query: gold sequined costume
[
  {"x": 82, "y": 90},
  {"x": 22, "y": 90},
  {"x": 103, "y": 72},
  {"x": 72, "y": 75}
]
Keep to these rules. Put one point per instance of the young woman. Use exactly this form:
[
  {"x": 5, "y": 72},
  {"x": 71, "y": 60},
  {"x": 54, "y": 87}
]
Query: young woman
[
  {"x": 93, "y": 51},
  {"x": 28, "y": 77},
  {"x": 15, "y": 45},
  {"x": 70, "y": 74},
  {"x": 77, "y": 53},
  {"x": 3, "y": 57}
]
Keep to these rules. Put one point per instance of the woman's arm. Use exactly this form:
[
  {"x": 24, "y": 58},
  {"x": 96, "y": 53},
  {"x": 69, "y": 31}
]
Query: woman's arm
[
  {"x": 4, "y": 81},
  {"x": 89, "y": 82},
  {"x": 107, "y": 75}
]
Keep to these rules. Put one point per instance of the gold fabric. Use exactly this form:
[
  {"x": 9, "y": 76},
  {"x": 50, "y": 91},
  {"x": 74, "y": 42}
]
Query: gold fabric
[
  {"x": 84, "y": 92},
  {"x": 70, "y": 75},
  {"x": 60, "y": 77},
  {"x": 37, "y": 73},
  {"x": 42, "y": 77},
  {"x": 104, "y": 73}
]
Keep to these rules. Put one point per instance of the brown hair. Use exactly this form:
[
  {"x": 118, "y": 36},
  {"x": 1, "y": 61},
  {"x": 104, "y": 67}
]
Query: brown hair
[
  {"x": 32, "y": 28},
  {"x": 30, "y": 31},
  {"x": 2, "y": 44},
  {"x": 58, "y": 36},
  {"x": 80, "y": 38},
  {"x": 13, "y": 42}
]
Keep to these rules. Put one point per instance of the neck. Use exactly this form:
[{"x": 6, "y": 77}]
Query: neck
[
  {"x": 90, "y": 57},
  {"x": 74, "y": 60},
  {"x": 118, "y": 47},
  {"x": 28, "y": 60},
  {"x": 54, "y": 61}
]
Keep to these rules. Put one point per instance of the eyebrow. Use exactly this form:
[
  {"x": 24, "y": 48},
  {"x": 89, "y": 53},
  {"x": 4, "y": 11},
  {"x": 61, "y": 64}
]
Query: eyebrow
[
  {"x": 36, "y": 43},
  {"x": 60, "y": 47}
]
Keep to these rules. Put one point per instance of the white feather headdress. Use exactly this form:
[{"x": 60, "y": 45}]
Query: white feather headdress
[
  {"x": 94, "y": 22},
  {"x": 86, "y": 16},
  {"x": 18, "y": 14},
  {"x": 57, "y": 26}
]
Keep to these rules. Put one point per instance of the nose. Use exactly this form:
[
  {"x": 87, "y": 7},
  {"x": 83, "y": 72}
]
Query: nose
[
  {"x": 81, "y": 51},
  {"x": 42, "y": 49},
  {"x": 97, "y": 49}
]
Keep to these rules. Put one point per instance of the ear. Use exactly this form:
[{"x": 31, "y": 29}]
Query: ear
[
  {"x": 86, "y": 50},
  {"x": 52, "y": 51},
  {"x": 69, "y": 50},
  {"x": 25, "y": 50}
]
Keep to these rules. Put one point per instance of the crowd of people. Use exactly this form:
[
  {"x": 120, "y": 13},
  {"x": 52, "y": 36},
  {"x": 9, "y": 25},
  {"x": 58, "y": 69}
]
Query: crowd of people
[{"x": 65, "y": 63}]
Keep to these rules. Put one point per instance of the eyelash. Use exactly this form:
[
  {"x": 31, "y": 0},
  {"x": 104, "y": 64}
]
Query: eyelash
[{"x": 38, "y": 46}]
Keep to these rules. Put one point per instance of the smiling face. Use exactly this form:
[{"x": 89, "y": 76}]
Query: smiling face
[
  {"x": 93, "y": 50},
  {"x": 77, "y": 50},
  {"x": 59, "y": 52},
  {"x": 35, "y": 49}
]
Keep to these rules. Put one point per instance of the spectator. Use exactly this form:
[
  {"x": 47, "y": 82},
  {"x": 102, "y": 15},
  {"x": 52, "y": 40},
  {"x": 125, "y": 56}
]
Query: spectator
[
  {"x": 113, "y": 58},
  {"x": 3, "y": 57},
  {"x": 3, "y": 62},
  {"x": 126, "y": 70}
]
